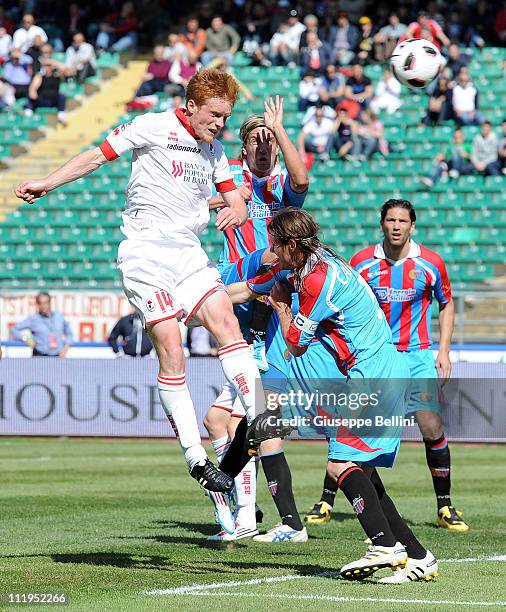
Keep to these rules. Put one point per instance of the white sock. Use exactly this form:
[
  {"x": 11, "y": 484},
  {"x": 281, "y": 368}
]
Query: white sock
[
  {"x": 221, "y": 446},
  {"x": 241, "y": 371},
  {"x": 178, "y": 407},
  {"x": 245, "y": 490}
]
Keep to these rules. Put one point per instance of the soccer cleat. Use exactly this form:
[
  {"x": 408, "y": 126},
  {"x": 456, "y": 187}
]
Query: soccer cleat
[
  {"x": 449, "y": 518},
  {"x": 282, "y": 533},
  {"x": 266, "y": 426},
  {"x": 258, "y": 353},
  {"x": 211, "y": 478},
  {"x": 320, "y": 513},
  {"x": 376, "y": 558},
  {"x": 415, "y": 569},
  {"x": 222, "y": 511},
  {"x": 239, "y": 533}
]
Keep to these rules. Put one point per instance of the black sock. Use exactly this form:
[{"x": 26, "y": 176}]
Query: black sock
[
  {"x": 437, "y": 453},
  {"x": 329, "y": 490},
  {"x": 397, "y": 524},
  {"x": 361, "y": 494},
  {"x": 237, "y": 455},
  {"x": 261, "y": 313},
  {"x": 279, "y": 481}
]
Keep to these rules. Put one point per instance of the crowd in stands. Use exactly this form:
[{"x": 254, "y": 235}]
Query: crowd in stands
[{"x": 329, "y": 41}]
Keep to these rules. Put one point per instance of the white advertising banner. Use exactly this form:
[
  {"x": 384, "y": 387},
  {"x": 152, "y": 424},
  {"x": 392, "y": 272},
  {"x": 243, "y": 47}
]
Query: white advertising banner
[{"x": 90, "y": 314}]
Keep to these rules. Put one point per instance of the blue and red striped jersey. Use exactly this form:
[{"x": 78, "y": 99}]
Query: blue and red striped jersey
[
  {"x": 268, "y": 195},
  {"x": 405, "y": 289},
  {"x": 336, "y": 306}
]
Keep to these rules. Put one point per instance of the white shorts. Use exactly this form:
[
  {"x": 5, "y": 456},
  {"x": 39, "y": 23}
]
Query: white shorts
[{"x": 163, "y": 280}]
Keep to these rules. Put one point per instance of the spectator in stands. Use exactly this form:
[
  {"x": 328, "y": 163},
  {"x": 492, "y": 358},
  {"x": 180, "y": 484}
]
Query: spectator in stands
[
  {"x": 72, "y": 22},
  {"x": 500, "y": 24},
  {"x": 502, "y": 148},
  {"x": 134, "y": 342},
  {"x": 280, "y": 53},
  {"x": 454, "y": 160},
  {"x": 440, "y": 103},
  {"x": 5, "y": 45},
  {"x": 344, "y": 139},
  {"x": 5, "y": 22},
  {"x": 309, "y": 90},
  {"x": 156, "y": 76},
  {"x": 365, "y": 42},
  {"x": 485, "y": 154},
  {"x": 388, "y": 36},
  {"x": 23, "y": 37},
  {"x": 359, "y": 87},
  {"x": 370, "y": 135},
  {"x": 35, "y": 51},
  {"x": 118, "y": 31},
  {"x": 80, "y": 58},
  {"x": 294, "y": 32},
  {"x": 481, "y": 31},
  {"x": 44, "y": 91},
  {"x": 18, "y": 72},
  {"x": 46, "y": 57},
  {"x": 387, "y": 95},
  {"x": 343, "y": 40},
  {"x": 252, "y": 46},
  {"x": 51, "y": 335},
  {"x": 332, "y": 87},
  {"x": 353, "y": 8},
  {"x": 193, "y": 37},
  {"x": 427, "y": 28},
  {"x": 222, "y": 41},
  {"x": 181, "y": 71},
  {"x": 456, "y": 60},
  {"x": 465, "y": 100},
  {"x": 316, "y": 136},
  {"x": 315, "y": 56},
  {"x": 174, "y": 49},
  {"x": 311, "y": 23}
]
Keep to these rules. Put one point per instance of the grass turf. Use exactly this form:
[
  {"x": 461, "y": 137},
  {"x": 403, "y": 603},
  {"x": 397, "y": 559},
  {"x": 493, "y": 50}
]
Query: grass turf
[{"x": 106, "y": 520}]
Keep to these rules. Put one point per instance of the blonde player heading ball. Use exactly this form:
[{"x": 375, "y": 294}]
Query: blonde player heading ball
[{"x": 166, "y": 274}]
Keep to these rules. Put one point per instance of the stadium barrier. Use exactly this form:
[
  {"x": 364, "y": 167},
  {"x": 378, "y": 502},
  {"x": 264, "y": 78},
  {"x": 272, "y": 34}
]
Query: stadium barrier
[{"x": 88, "y": 397}]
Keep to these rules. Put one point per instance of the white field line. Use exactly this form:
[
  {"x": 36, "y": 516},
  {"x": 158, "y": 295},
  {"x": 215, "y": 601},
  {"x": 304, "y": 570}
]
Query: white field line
[
  {"x": 195, "y": 588},
  {"x": 288, "y": 596}
]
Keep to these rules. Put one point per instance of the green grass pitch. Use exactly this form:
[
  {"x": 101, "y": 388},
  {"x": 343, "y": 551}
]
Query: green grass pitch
[{"x": 108, "y": 520}]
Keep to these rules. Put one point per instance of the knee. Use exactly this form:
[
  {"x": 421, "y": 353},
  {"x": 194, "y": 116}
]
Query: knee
[{"x": 335, "y": 468}]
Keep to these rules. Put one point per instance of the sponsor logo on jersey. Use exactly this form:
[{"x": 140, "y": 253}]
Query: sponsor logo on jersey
[
  {"x": 377, "y": 273},
  {"x": 389, "y": 294},
  {"x": 177, "y": 168},
  {"x": 173, "y": 136},
  {"x": 358, "y": 504},
  {"x": 121, "y": 128},
  {"x": 185, "y": 149},
  {"x": 150, "y": 305}
]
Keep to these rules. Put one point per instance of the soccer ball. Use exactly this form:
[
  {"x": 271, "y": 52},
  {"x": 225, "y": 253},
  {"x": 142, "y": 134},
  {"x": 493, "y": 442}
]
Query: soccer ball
[{"x": 416, "y": 62}]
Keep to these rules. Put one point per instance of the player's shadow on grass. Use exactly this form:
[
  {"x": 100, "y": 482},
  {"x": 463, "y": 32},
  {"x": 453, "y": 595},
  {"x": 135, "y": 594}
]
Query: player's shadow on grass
[{"x": 203, "y": 528}]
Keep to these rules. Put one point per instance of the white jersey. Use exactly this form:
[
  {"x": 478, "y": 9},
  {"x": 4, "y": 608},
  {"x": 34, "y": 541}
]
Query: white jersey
[{"x": 172, "y": 176}]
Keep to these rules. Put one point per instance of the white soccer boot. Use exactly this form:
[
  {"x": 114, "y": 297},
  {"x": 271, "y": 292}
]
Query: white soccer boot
[
  {"x": 222, "y": 511},
  {"x": 415, "y": 569},
  {"x": 282, "y": 533},
  {"x": 240, "y": 533},
  {"x": 375, "y": 559}
]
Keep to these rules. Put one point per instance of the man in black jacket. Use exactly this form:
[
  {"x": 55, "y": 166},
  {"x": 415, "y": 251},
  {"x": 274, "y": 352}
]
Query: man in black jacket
[{"x": 134, "y": 339}]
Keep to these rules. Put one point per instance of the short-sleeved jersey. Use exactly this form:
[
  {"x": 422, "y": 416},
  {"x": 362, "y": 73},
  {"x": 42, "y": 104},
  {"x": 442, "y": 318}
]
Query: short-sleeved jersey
[
  {"x": 404, "y": 290},
  {"x": 268, "y": 195},
  {"x": 337, "y": 307},
  {"x": 172, "y": 174}
]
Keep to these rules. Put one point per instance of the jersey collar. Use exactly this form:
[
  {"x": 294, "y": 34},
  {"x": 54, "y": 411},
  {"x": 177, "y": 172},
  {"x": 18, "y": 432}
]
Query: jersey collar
[
  {"x": 183, "y": 118},
  {"x": 414, "y": 251},
  {"x": 264, "y": 179}
]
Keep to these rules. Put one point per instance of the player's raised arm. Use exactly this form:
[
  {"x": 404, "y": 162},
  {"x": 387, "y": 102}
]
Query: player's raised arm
[
  {"x": 77, "y": 167},
  {"x": 240, "y": 293},
  {"x": 297, "y": 171}
]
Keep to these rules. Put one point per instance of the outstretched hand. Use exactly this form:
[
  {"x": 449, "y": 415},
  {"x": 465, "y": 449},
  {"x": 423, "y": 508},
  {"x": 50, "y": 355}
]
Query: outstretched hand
[
  {"x": 29, "y": 191},
  {"x": 273, "y": 114}
]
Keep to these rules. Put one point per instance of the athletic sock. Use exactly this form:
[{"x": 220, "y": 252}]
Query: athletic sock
[
  {"x": 241, "y": 371},
  {"x": 329, "y": 490},
  {"x": 178, "y": 407},
  {"x": 437, "y": 453},
  {"x": 221, "y": 446},
  {"x": 260, "y": 315},
  {"x": 279, "y": 481},
  {"x": 360, "y": 492},
  {"x": 245, "y": 495},
  {"x": 397, "y": 524}
]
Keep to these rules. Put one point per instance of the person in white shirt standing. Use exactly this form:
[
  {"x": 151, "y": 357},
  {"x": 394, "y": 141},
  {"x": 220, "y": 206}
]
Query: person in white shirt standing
[
  {"x": 165, "y": 272},
  {"x": 80, "y": 58},
  {"x": 23, "y": 37}
]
